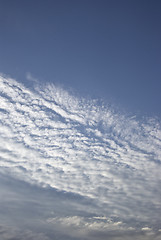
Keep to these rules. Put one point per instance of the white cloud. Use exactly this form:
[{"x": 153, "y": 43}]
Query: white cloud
[
  {"x": 146, "y": 229},
  {"x": 54, "y": 139}
]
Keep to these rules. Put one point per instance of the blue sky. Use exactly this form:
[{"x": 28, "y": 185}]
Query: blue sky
[
  {"x": 102, "y": 49},
  {"x": 80, "y": 129}
]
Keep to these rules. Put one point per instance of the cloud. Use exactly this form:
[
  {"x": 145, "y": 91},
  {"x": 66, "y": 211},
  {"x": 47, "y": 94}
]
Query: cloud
[
  {"x": 55, "y": 140},
  {"x": 7, "y": 233}
]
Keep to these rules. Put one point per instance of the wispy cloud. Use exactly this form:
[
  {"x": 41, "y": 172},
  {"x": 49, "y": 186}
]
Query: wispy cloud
[{"x": 53, "y": 139}]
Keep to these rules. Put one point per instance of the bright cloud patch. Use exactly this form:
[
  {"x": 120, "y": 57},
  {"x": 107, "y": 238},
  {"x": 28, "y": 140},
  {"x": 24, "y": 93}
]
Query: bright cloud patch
[{"x": 52, "y": 139}]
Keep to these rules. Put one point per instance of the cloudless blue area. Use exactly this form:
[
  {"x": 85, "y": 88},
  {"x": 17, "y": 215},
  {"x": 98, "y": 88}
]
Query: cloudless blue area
[{"x": 108, "y": 49}]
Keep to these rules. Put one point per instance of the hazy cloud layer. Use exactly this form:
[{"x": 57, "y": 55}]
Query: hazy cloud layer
[{"x": 54, "y": 140}]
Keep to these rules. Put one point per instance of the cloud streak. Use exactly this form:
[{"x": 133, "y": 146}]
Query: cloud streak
[{"x": 54, "y": 140}]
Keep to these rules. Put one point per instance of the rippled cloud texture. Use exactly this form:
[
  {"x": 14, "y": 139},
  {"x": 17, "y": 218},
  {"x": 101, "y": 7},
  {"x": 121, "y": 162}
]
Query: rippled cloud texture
[{"x": 71, "y": 168}]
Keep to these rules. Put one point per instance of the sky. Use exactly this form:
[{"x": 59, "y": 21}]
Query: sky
[
  {"x": 106, "y": 49},
  {"x": 80, "y": 127}
]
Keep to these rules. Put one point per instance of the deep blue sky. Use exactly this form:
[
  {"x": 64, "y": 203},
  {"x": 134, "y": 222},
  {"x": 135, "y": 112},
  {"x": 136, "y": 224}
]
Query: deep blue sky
[
  {"x": 106, "y": 49},
  {"x": 70, "y": 169}
]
